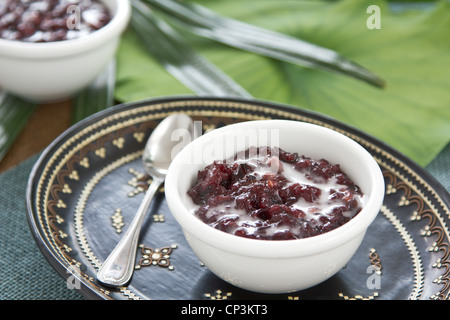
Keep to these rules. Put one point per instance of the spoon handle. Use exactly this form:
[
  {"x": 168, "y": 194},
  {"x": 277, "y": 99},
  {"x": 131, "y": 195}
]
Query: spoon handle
[{"x": 118, "y": 267}]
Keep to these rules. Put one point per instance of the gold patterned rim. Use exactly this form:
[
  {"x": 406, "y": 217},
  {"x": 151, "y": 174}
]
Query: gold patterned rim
[{"x": 95, "y": 148}]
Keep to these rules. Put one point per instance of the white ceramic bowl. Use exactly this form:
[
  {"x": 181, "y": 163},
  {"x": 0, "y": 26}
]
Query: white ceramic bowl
[
  {"x": 52, "y": 71},
  {"x": 274, "y": 266}
]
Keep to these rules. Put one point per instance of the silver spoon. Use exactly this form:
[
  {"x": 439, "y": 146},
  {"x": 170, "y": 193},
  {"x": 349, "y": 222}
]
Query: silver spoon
[{"x": 158, "y": 154}]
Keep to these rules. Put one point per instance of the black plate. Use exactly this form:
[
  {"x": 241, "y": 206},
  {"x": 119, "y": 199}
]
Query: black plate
[{"x": 87, "y": 185}]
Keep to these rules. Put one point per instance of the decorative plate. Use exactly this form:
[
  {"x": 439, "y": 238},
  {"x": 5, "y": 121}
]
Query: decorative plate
[{"x": 87, "y": 185}]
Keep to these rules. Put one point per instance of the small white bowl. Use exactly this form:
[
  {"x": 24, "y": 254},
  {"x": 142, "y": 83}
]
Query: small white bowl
[
  {"x": 274, "y": 266},
  {"x": 52, "y": 71}
]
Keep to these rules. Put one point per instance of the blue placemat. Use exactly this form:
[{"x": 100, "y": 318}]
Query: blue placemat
[
  {"x": 25, "y": 273},
  {"x": 440, "y": 167}
]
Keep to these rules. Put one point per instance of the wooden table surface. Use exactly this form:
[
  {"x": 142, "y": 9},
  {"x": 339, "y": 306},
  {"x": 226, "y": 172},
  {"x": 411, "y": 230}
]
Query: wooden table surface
[{"x": 47, "y": 122}]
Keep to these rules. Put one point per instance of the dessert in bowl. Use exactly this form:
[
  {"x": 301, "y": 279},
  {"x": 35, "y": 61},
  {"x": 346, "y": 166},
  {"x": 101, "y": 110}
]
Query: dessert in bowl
[
  {"x": 49, "y": 50},
  {"x": 257, "y": 202}
]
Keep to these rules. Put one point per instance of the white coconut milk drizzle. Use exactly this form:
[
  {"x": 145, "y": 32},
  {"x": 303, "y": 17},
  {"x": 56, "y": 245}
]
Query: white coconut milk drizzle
[{"x": 263, "y": 165}]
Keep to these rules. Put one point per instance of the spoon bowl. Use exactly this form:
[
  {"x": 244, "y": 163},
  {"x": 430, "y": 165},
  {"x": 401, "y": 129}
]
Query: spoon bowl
[{"x": 163, "y": 144}]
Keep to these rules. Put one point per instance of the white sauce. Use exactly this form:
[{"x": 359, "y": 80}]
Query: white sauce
[{"x": 320, "y": 207}]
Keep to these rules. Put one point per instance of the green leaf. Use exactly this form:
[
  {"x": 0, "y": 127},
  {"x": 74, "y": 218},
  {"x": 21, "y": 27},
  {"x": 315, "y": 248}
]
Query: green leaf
[
  {"x": 410, "y": 51},
  {"x": 206, "y": 23},
  {"x": 97, "y": 96},
  {"x": 177, "y": 56},
  {"x": 14, "y": 114}
]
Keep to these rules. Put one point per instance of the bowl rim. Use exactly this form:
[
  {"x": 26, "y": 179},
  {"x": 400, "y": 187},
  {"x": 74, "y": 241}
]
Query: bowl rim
[
  {"x": 46, "y": 50},
  {"x": 275, "y": 249}
]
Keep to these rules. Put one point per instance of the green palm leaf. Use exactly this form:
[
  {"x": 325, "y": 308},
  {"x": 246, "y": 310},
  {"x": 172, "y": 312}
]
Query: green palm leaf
[
  {"x": 14, "y": 114},
  {"x": 207, "y": 23},
  {"x": 410, "y": 50},
  {"x": 97, "y": 96},
  {"x": 176, "y": 55}
]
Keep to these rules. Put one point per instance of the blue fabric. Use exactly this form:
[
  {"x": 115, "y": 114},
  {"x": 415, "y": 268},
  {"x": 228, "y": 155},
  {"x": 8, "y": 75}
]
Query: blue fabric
[{"x": 25, "y": 274}]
